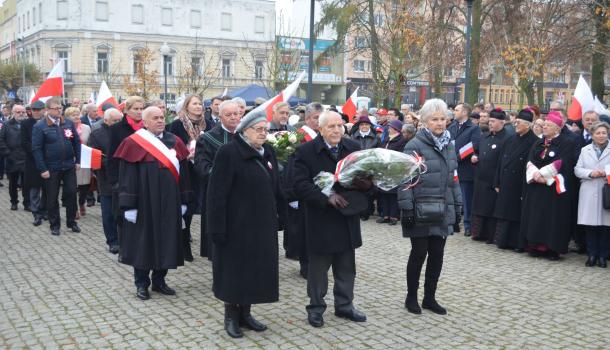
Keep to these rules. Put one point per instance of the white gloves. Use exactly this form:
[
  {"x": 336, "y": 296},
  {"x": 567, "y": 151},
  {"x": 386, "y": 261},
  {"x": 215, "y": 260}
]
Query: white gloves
[
  {"x": 294, "y": 205},
  {"x": 131, "y": 215},
  {"x": 183, "y": 208}
]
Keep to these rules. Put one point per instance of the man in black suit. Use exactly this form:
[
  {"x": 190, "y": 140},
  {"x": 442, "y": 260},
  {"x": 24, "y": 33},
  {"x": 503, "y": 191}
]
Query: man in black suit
[
  {"x": 332, "y": 237},
  {"x": 212, "y": 117},
  {"x": 91, "y": 117},
  {"x": 588, "y": 119}
]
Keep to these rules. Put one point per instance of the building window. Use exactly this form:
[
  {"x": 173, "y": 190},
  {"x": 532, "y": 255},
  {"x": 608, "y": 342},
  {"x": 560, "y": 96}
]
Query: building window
[
  {"x": 259, "y": 25},
  {"x": 196, "y": 65},
  {"x": 169, "y": 65},
  {"x": 448, "y": 71},
  {"x": 195, "y": 19},
  {"x": 62, "y": 9},
  {"x": 138, "y": 63},
  {"x": 169, "y": 99},
  {"x": 18, "y": 24},
  {"x": 378, "y": 19},
  {"x": 102, "y": 62},
  {"x": 258, "y": 69},
  {"x": 23, "y": 21},
  {"x": 226, "y": 21},
  {"x": 226, "y": 68},
  {"x": 28, "y": 16},
  {"x": 33, "y": 16},
  {"x": 360, "y": 42},
  {"x": 137, "y": 14},
  {"x": 101, "y": 10},
  {"x": 40, "y": 12},
  {"x": 359, "y": 66},
  {"x": 166, "y": 16},
  {"x": 63, "y": 56}
]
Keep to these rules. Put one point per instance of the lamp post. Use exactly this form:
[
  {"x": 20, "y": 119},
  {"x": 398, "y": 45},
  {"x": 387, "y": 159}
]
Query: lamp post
[
  {"x": 468, "y": 53},
  {"x": 490, "y": 78},
  {"x": 22, "y": 41},
  {"x": 165, "y": 51},
  {"x": 312, "y": 10}
]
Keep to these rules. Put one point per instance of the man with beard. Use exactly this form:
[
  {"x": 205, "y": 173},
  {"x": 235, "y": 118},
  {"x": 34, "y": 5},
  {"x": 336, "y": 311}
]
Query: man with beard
[
  {"x": 509, "y": 183},
  {"x": 484, "y": 197}
]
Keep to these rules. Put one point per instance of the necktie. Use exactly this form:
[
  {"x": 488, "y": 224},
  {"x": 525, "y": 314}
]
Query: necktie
[
  {"x": 334, "y": 151},
  {"x": 588, "y": 137}
]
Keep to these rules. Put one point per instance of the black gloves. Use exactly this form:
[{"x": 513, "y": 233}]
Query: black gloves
[{"x": 408, "y": 219}]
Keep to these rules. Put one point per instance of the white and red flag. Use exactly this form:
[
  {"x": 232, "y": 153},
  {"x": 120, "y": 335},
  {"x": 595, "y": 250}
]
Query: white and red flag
[
  {"x": 560, "y": 184},
  {"x": 466, "y": 150},
  {"x": 103, "y": 97},
  {"x": 283, "y": 96},
  {"x": 90, "y": 158},
  {"x": 351, "y": 105},
  {"x": 91, "y": 98},
  {"x": 53, "y": 86},
  {"x": 582, "y": 100}
]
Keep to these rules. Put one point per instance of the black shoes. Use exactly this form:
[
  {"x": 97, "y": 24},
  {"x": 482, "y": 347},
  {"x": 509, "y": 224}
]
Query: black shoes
[
  {"x": 26, "y": 208},
  {"x": 382, "y": 220},
  {"x": 37, "y": 221},
  {"x": 364, "y": 218},
  {"x": 602, "y": 263},
  {"x": 232, "y": 321},
  {"x": 352, "y": 315},
  {"x": 114, "y": 249},
  {"x": 432, "y": 305},
  {"x": 392, "y": 221},
  {"x": 412, "y": 305},
  {"x": 163, "y": 289},
  {"x": 315, "y": 319},
  {"x": 142, "y": 293},
  {"x": 74, "y": 227},
  {"x": 55, "y": 231},
  {"x": 14, "y": 207},
  {"x": 467, "y": 233},
  {"x": 591, "y": 261},
  {"x": 246, "y": 320}
]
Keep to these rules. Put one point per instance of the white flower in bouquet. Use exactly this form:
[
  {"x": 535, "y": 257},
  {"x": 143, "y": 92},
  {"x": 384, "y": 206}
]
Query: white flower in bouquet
[
  {"x": 292, "y": 138},
  {"x": 271, "y": 138}
]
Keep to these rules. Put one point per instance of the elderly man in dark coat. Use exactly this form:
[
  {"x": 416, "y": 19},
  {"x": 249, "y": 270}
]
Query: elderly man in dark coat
[
  {"x": 332, "y": 237},
  {"x": 243, "y": 207},
  {"x": 484, "y": 197},
  {"x": 12, "y": 151},
  {"x": 205, "y": 152},
  {"x": 509, "y": 183},
  {"x": 32, "y": 180},
  {"x": 153, "y": 195}
]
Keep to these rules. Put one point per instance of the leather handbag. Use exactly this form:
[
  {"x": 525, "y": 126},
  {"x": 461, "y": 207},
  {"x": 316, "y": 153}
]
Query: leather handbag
[
  {"x": 430, "y": 209},
  {"x": 606, "y": 196}
]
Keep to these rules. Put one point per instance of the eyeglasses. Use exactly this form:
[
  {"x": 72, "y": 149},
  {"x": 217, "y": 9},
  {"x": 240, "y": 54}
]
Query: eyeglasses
[
  {"x": 56, "y": 108},
  {"x": 261, "y": 129},
  {"x": 19, "y": 112}
]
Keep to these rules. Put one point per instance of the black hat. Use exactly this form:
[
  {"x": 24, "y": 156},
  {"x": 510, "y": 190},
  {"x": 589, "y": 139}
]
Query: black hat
[
  {"x": 475, "y": 115},
  {"x": 38, "y": 105},
  {"x": 526, "y": 114},
  {"x": 497, "y": 114}
]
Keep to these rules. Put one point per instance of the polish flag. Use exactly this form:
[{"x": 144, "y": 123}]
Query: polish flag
[
  {"x": 466, "y": 150},
  {"x": 281, "y": 97},
  {"x": 455, "y": 176},
  {"x": 224, "y": 93},
  {"x": 91, "y": 98},
  {"x": 103, "y": 97},
  {"x": 607, "y": 171},
  {"x": 350, "y": 106},
  {"x": 90, "y": 158},
  {"x": 560, "y": 185},
  {"x": 582, "y": 100},
  {"x": 53, "y": 86},
  {"x": 599, "y": 107}
]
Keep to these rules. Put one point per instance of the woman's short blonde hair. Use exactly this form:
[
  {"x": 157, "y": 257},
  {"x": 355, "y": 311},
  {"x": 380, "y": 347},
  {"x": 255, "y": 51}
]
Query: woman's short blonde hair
[
  {"x": 131, "y": 100},
  {"x": 70, "y": 111},
  {"x": 598, "y": 125}
]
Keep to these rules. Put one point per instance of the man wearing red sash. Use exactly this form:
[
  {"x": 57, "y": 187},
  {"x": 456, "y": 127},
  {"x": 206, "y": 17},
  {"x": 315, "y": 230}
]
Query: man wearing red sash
[{"x": 153, "y": 194}]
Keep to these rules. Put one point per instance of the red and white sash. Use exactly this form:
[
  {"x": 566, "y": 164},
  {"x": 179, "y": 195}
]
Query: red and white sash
[
  {"x": 159, "y": 150},
  {"x": 310, "y": 133}
]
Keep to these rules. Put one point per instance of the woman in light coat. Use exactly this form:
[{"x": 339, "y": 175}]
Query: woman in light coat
[
  {"x": 83, "y": 176},
  {"x": 593, "y": 160}
]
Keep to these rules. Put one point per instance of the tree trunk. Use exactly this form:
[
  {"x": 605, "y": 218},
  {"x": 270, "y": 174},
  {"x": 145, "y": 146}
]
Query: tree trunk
[
  {"x": 540, "y": 87},
  {"x": 375, "y": 57},
  {"x": 475, "y": 54},
  {"x": 598, "y": 60}
]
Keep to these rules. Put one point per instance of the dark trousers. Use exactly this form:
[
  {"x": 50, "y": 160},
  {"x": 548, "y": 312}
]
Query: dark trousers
[
  {"x": 142, "y": 277},
  {"x": 344, "y": 273},
  {"x": 38, "y": 201},
  {"x": 389, "y": 203},
  {"x": 109, "y": 221},
  {"x": 67, "y": 178},
  {"x": 467, "y": 189},
  {"x": 83, "y": 194},
  {"x": 598, "y": 241},
  {"x": 434, "y": 248},
  {"x": 15, "y": 180}
]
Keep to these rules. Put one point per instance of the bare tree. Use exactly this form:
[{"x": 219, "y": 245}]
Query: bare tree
[
  {"x": 145, "y": 80},
  {"x": 198, "y": 70}
]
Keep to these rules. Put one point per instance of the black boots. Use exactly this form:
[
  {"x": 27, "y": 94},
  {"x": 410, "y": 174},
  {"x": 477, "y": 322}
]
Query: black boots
[
  {"x": 232, "y": 321},
  {"x": 246, "y": 320},
  {"x": 592, "y": 261},
  {"x": 188, "y": 254},
  {"x": 429, "y": 301},
  {"x": 411, "y": 303}
]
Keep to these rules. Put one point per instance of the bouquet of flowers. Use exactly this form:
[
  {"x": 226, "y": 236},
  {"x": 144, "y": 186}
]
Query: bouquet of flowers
[
  {"x": 387, "y": 169},
  {"x": 284, "y": 143}
]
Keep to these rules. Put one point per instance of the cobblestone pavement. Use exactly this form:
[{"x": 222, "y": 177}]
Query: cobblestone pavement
[{"x": 69, "y": 292}]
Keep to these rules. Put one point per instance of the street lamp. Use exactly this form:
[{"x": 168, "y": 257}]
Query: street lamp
[
  {"x": 165, "y": 51},
  {"x": 490, "y": 78},
  {"x": 468, "y": 53},
  {"x": 22, "y": 41},
  {"x": 312, "y": 10}
]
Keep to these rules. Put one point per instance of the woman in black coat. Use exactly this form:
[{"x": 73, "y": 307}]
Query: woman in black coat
[
  {"x": 242, "y": 206},
  {"x": 188, "y": 127},
  {"x": 387, "y": 201}
]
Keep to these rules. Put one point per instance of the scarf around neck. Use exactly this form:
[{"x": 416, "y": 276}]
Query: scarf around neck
[
  {"x": 135, "y": 125},
  {"x": 440, "y": 142},
  {"x": 192, "y": 127}
]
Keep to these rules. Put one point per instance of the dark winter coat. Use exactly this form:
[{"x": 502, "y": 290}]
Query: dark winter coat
[
  {"x": 547, "y": 217},
  {"x": 510, "y": 176},
  {"x": 177, "y": 128},
  {"x": 484, "y": 196},
  {"x": 118, "y": 132},
  {"x": 327, "y": 230},
  {"x": 462, "y": 135},
  {"x": 209, "y": 121},
  {"x": 10, "y": 147},
  {"x": 155, "y": 241},
  {"x": 55, "y": 148},
  {"x": 32, "y": 178},
  {"x": 436, "y": 184},
  {"x": 243, "y": 200},
  {"x": 100, "y": 139},
  {"x": 366, "y": 142}
]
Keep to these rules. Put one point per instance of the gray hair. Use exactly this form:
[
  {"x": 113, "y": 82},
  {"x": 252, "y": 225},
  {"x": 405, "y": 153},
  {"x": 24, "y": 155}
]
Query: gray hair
[
  {"x": 110, "y": 111},
  {"x": 225, "y": 104},
  {"x": 325, "y": 116},
  {"x": 240, "y": 101},
  {"x": 431, "y": 107},
  {"x": 312, "y": 108},
  {"x": 157, "y": 102},
  {"x": 598, "y": 125},
  {"x": 410, "y": 128},
  {"x": 591, "y": 112}
]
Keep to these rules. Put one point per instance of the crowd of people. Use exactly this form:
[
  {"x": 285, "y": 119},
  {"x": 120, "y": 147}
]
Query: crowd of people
[{"x": 528, "y": 181}]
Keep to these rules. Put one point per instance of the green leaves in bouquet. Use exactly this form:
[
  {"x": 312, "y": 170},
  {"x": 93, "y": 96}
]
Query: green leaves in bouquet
[{"x": 284, "y": 144}]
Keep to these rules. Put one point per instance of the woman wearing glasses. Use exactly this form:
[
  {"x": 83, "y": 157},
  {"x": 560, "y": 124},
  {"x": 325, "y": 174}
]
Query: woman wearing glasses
[{"x": 243, "y": 200}]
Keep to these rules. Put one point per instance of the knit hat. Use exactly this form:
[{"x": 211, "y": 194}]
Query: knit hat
[
  {"x": 363, "y": 119},
  {"x": 497, "y": 114},
  {"x": 396, "y": 125},
  {"x": 526, "y": 114},
  {"x": 555, "y": 117},
  {"x": 250, "y": 119}
]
